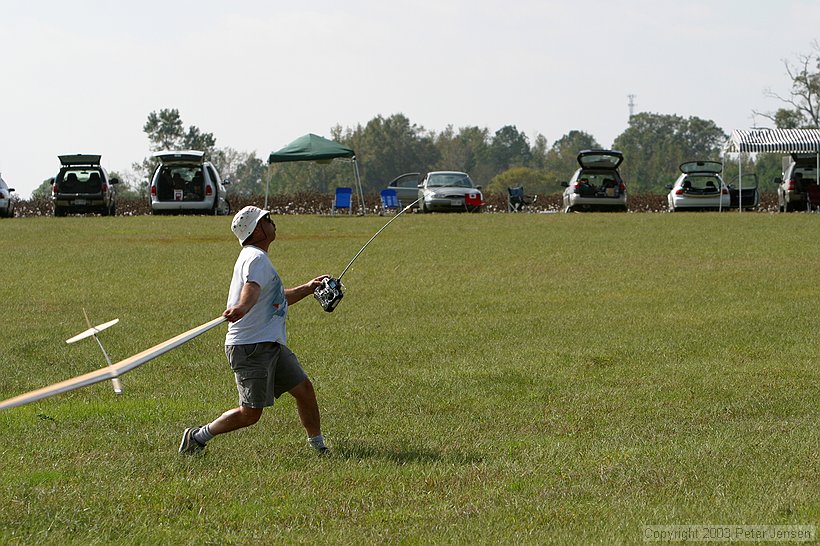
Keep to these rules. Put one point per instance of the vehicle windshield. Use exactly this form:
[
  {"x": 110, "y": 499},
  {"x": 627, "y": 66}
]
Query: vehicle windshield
[{"x": 451, "y": 180}]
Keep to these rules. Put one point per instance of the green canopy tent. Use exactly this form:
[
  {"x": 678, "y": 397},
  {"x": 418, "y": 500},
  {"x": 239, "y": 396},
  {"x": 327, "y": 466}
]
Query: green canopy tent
[{"x": 315, "y": 148}]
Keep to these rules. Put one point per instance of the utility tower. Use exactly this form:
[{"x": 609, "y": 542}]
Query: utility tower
[{"x": 631, "y": 104}]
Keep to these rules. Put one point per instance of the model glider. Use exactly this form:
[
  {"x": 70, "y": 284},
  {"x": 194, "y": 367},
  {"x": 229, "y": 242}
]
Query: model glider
[
  {"x": 92, "y": 331},
  {"x": 110, "y": 372}
]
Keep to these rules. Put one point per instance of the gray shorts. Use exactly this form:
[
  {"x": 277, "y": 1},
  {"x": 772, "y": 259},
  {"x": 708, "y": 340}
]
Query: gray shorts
[{"x": 264, "y": 372}]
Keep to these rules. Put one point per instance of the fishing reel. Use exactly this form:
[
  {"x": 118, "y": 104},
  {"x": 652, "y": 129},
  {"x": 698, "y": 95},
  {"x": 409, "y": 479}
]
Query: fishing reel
[{"x": 329, "y": 294}]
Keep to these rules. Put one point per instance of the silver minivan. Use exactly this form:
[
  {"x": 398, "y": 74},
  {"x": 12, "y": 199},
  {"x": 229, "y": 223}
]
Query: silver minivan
[{"x": 184, "y": 183}]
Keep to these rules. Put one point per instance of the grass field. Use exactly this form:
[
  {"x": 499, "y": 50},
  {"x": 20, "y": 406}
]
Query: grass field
[{"x": 487, "y": 379}]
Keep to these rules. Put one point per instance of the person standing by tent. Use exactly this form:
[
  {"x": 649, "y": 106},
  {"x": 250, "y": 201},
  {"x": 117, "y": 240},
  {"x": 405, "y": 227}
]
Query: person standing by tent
[{"x": 263, "y": 365}]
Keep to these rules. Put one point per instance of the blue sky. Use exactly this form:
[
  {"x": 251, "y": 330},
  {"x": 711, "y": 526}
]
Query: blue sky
[{"x": 82, "y": 76}]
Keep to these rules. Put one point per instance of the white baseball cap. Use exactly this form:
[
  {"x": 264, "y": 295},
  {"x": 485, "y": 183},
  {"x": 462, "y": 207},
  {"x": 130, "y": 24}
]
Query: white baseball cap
[{"x": 244, "y": 222}]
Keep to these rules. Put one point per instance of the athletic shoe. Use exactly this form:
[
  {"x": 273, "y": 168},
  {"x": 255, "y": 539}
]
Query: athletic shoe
[
  {"x": 323, "y": 451},
  {"x": 189, "y": 445}
]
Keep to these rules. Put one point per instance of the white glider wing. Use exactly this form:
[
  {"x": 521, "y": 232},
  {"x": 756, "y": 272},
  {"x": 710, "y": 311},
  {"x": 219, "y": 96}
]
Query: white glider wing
[
  {"x": 93, "y": 330},
  {"x": 110, "y": 372}
]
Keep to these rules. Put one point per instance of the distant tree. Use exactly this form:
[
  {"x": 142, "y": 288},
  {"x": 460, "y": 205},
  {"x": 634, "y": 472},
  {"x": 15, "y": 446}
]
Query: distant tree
[
  {"x": 466, "y": 151},
  {"x": 532, "y": 180},
  {"x": 130, "y": 185},
  {"x": 803, "y": 101},
  {"x": 654, "y": 146},
  {"x": 474, "y": 145},
  {"x": 166, "y": 131},
  {"x": 43, "y": 190},
  {"x": 246, "y": 172},
  {"x": 562, "y": 158},
  {"x": 538, "y": 152},
  {"x": 510, "y": 148},
  {"x": 388, "y": 147}
]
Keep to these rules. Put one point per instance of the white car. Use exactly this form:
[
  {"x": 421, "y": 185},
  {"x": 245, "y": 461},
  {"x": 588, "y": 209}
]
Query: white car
[
  {"x": 449, "y": 191},
  {"x": 185, "y": 183},
  {"x": 6, "y": 200},
  {"x": 699, "y": 187},
  {"x": 597, "y": 184}
]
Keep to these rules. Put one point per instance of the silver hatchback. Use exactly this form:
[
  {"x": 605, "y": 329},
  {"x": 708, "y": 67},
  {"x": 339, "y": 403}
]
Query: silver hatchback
[{"x": 597, "y": 184}]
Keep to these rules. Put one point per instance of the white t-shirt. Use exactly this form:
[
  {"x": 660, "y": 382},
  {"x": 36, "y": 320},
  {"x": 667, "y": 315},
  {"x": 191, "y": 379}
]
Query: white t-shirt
[{"x": 266, "y": 319}]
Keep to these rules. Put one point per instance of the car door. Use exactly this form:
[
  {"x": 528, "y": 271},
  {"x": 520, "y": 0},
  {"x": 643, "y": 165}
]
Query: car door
[{"x": 407, "y": 187}]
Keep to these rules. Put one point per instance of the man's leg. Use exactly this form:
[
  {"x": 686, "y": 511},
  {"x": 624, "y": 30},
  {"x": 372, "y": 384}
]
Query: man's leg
[
  {"x": 307, "y": 407},
  {"x": 194, "y": 439},
  {"x": 234, "y": 419}
]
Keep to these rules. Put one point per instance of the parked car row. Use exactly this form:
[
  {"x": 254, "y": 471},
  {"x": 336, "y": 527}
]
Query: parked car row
[
  {"x": 597, "y": 185},
  {"x": 183, "y": 182}
]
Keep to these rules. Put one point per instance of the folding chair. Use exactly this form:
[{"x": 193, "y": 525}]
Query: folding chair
[
  {"x": 390, "y": 201},
  {"x": 516, "y": 200},
  {"x": 342, "y": 200}
]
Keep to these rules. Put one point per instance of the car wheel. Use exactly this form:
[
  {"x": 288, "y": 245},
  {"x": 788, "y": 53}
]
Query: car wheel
[{"x": 59, "y": 211}]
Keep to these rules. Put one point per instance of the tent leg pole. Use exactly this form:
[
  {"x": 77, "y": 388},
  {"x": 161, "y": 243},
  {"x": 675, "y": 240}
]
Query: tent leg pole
[{"x": 359, "y": 186}]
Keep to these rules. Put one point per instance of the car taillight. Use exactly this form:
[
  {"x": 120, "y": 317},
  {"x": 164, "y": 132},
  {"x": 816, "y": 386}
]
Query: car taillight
[
  {"x": 791, "y": 186},
  {"x": 153, "y": 190},
  {"x": 724, "y": 191},
  {"x": 104, "y": 187},
  {"x": 679, "y": 191},
  {"x": 622, "y": 186},
  {"x": 54, "y": 189},
  {"x": 209, "y": 191}
]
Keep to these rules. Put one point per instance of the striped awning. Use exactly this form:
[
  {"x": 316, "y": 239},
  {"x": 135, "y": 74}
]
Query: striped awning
[{"x": 774, "y": 140}]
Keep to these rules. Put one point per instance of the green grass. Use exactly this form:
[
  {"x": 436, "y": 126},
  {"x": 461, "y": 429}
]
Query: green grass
[{"x": 487, "y": 379}]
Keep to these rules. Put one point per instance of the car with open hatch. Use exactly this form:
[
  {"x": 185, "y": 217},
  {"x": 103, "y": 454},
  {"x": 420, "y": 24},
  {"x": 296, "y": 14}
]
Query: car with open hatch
[
  {"x": 6, "y": 200},
  {"x": 449, "y": 191},
  {"x": 596, "y": 184},
  {"x": 83, "y": 186},
  {"x": 799, "y": 175},
  {"x": 698, "y": 187},
  {"x": 185, "y": 183}
]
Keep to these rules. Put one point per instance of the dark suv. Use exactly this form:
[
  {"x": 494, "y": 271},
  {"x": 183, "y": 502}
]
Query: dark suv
[
  {"x": 799, "y": 175},
  {"x": 83, "y": 186}
]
